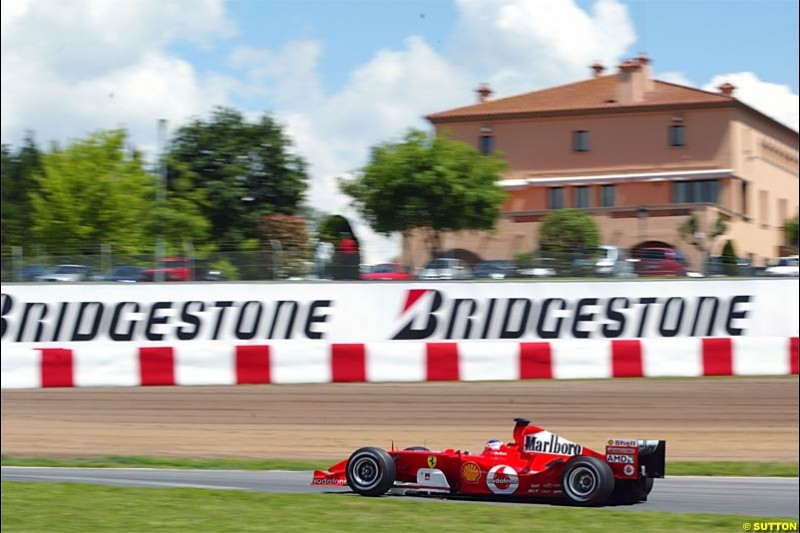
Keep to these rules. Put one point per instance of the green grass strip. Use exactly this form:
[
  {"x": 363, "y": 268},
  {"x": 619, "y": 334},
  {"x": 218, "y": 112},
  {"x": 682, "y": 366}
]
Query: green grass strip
[
  {"x": 674, "y": 468},
  {"x": 78, "y": 508}
]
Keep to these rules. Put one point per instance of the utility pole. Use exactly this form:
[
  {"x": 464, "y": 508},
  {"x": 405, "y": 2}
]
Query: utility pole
[{"x": 161, "y": 194}]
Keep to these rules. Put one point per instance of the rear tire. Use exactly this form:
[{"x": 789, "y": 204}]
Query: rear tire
[
  {"x": 587, "y": 481},
  {"x": 370, "y": 471}
]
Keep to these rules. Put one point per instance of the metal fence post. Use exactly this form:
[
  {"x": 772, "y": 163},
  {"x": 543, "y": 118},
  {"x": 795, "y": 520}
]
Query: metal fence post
[{"x": 16, "y": 262}]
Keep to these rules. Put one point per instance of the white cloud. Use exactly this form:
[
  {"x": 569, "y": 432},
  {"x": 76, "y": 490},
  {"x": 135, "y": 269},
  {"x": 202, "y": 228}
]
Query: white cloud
[
  {"x": 519, "y": 46},
  {"x": 73, "y": 67},
  {"x": 772, "y": 99}
]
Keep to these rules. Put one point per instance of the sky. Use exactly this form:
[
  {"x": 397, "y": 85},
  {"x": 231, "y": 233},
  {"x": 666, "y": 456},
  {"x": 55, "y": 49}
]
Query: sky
[{"x": 344, "y": 75}]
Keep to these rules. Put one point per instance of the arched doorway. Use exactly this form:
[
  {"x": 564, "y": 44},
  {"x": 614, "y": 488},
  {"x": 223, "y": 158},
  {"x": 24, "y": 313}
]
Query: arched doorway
[
  {"x": 469, "y": 258},
  {"x": 649, "y": 244}
]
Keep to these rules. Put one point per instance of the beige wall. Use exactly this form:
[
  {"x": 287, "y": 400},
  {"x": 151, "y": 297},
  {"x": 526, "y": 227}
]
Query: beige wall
[
  {"x": 512, "y": 237},
  {"x": 766, "y": 157}
]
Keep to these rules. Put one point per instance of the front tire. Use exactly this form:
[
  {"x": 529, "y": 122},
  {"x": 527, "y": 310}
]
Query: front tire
[
  {"x": 587, "y": 481},
  {"x": 370, "y": 471}
]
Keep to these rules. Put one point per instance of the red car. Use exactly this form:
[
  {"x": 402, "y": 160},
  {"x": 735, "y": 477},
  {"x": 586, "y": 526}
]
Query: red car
[
  {"x": 388, "y": 272},
  {"x": 181, "y": 269},
  {"x": 661, "y": 262},
  {"x": 537, "y": 464}
]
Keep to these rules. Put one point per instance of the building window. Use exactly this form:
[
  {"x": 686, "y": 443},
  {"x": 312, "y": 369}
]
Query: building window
[
  {"x": 607, "y": 193},
  {"x": 581, "y": 197},
  {"x": 690, "y": 192},
  {"x": 677, "y": 136},
  {"x": 744, "y": 198},
  {"x": 763, "y": 209},
  {"x": 580, "y": 141},
  {"x": 555, "y": 197},
  {"x": 487, "y": 144}
]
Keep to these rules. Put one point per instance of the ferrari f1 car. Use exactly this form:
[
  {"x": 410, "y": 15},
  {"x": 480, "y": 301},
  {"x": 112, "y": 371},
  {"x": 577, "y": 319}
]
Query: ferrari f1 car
[{"x": 537, "y": 464}]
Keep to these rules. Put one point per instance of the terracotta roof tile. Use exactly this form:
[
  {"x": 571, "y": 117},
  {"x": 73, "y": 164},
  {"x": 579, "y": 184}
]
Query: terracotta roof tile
[{"x": 593, "y": 94}]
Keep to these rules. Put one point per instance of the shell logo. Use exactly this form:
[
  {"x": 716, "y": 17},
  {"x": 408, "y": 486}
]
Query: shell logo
[{"x": 470, "y": 472}]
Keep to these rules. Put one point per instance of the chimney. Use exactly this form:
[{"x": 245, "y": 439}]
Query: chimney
[
  {"x": 484, "y": 93},
  {"x": 727, "y": 88},
  {"x": 629, "y": 83},
  {"x": 647, "y": 72},
  {"x": 598, "y": 69}
]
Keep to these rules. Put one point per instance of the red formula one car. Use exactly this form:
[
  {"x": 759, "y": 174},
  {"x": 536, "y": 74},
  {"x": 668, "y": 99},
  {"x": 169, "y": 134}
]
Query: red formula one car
[{"x": 537, "y": 464}]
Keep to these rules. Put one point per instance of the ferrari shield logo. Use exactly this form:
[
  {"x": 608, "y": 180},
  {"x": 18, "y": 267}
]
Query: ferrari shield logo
[{"x": 431, "y": 461}]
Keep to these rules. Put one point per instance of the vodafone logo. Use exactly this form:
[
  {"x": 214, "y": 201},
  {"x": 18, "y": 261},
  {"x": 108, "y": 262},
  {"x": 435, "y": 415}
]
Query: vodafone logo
[{"x": 502, "y": 479}]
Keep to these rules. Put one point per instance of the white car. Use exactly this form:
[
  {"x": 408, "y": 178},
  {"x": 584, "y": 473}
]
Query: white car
[
  {"x": 786, "y": 266},
  {"x": 613, "y": 262},
  {"x": 68, "y": 273},
  {"x": 444, "y": 268},
  {"x": 543, "y": 267}
]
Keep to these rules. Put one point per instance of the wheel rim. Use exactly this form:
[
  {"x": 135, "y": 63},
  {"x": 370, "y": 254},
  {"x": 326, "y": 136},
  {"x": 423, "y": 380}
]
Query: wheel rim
[
  {"x": 366, "y": 472},
  {"x": 581, "y": 483}
]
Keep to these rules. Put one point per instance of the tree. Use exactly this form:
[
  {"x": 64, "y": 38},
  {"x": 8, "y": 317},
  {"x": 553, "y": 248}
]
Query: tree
[
  {"x": 332, "y": 227},
  {"x": 427, "y": 181},
  {"x": 93, "y": 191},
  {"x": 18, "y": 182},
  {"x": 246, "y": 170},
  {"x": 287, "y": 237},
  {"x": 691, "y": 232},
  {"x": 568, "y": 230},
  {"x": 730, "y": 261},
  {"x": 790, "y": 232}
]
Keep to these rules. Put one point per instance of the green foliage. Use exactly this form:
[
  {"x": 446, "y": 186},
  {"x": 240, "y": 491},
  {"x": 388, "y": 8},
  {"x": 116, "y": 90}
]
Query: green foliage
[
  {"x": 427, "y": 182},
  {"x": 332, "y": 227},
  {"x": 729, "y": 259},
  {"x": 691, "y": 226},
  {"x": 292, "y": 233},
  {"x": 790, "y": 232},
  {"x": 18, "y": 169},
  {"x": 568, "y": 230},
  {"x": 93, "y": 191},
  {"x": 523, "y": 259},
  {"x": 226, "y": 268},
  {"x": 245, "y": 171}
]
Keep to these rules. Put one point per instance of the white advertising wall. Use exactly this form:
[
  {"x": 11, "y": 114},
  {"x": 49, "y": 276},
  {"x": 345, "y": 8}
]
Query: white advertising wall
[
  {"x": 84, "y": 335},
  {"x": 64, "y": 315}
]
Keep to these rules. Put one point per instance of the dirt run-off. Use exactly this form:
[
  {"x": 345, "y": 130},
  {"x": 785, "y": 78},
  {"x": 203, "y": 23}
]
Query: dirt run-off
[{"x": 708, "y": 419}]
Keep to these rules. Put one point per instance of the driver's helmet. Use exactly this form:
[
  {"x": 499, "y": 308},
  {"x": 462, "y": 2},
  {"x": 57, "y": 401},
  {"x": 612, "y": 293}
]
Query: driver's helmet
[{"x": 493, "y": 445}]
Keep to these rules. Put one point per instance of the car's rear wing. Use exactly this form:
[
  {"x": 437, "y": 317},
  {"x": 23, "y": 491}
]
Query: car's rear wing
[{"x": 633, "y": 458}]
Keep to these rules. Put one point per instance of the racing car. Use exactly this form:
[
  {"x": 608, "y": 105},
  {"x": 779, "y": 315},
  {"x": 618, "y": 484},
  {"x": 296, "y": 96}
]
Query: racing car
[{"x": 536, "y": 464}]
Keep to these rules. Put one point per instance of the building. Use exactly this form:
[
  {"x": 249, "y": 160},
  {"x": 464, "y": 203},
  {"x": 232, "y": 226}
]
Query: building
[{"x": 640, "y": 155}]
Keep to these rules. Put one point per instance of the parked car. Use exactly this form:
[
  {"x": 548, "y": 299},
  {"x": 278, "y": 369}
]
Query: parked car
[
  {"x": 182, "y": 269},
  {"x": 716, "y": 267},
  {"x": 125, "y": 274},
  {"x": 69, "y": 273},
  {"x": 494, "y": 269},
  {"x": 543, "y": 267},
  {"x": 613, "y": 262},
  {"x": 661, "y": 262},
  {"x": 786, "y": 266},
  {"x": 444, "y": 268},
  {"x": 31, "y": 272},
  {"x": 387, "y": 272}
]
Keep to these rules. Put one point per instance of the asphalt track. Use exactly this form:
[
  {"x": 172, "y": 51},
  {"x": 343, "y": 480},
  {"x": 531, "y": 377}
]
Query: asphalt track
[{"x": 772, "y": 497}]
